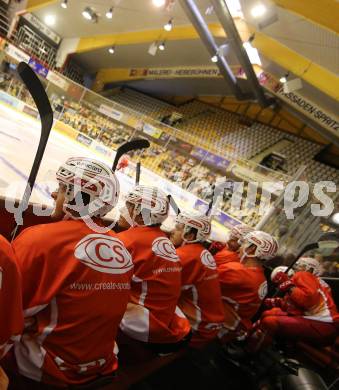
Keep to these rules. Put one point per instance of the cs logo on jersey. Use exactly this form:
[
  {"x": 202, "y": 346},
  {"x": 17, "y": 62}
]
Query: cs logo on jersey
[
  {"x": 208, "y": 260},
  {"x": 104, "y": 254},
  {"x": 163, "y": 247},
  {"x": 262, "y": 292}
]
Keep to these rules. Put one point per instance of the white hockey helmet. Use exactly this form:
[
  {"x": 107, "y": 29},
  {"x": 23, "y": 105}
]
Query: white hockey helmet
[
  {"x": 266, "y": 245},
  {"x": 309, "y": 264},
  {"x": 281, "y": 268},
  {"x": 200, "y": 222},
  {"x": 151, "y": 202},
  {"x": 240, "y": 231},
  {"x": 83, "y": 175}
]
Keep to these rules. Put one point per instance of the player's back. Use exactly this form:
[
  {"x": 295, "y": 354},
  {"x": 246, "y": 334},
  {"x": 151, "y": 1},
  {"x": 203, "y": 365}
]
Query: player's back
[
  {"x": 225, "y": 255},
  {"x": 200, "y": 298},
  {"x": 242, "y": 288},
  {"x": 314, "y": 296},
  {"x": 76, "y": 286},
  {"x": 11, "y": 316},
  {"x": 155, "y": 288}
]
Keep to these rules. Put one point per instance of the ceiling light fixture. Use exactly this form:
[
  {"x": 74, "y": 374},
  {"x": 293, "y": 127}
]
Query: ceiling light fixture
[
  {"x": 258, "y": 10},
  {"x": 169, "y": 25},
  {"x": 283, "y": 79},
  {"x": 64, "y": 4},
  {"x": 87, "y": 13},
  {"x": 111, "y": 50},
  {"x": 335, "y": 218},
  {"x": 159, "y": 3},
  {"x": 162, "y": 46},
  {"x": 214, "y": 58},
  {"x": 50, "y": 20},
  {"x": 109, "y": 13}
]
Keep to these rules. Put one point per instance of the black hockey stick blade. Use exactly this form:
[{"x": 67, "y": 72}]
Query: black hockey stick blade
[
  {"x": 136, "y": 144},
  {"x": 137, "y": 173},
  {"x": 173, "y": 204},
  {"x": 210, "y": 205},
  {"x": 38, "y": 93}
]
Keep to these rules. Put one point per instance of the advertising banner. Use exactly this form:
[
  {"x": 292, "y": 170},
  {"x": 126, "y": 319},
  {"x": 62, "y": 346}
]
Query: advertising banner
[
  {"x": 57, "y": 80},
  {"x": 38, "y": 68},
  {"x": 111, "y": 112},
  {"x": 210, "y": 158},
  {"x": 151, "y": 130},
  {"x": 16, "y": 53},
  {"x": 84, "y": 140}
]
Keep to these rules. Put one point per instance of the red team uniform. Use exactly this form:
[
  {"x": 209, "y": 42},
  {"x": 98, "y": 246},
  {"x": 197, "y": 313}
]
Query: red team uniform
[
  {"x": 242, "y": 289},
  {"x": 200, "y": 298},
  {"x": 152, "y": 315},
  {"x": 226, "y": 256},
  {"x": 307, "y": 312},
  {"x": 76, "y": 287},
  {"x": 11, "y": 323}
]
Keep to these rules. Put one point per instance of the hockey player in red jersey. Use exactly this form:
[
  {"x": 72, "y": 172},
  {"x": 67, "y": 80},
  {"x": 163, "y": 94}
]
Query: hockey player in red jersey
[
  {"x": 200, "y": 298},
  {"x": 152, "y": 314},
  {"x": 11, "y": 315},
  {"x": 306, "y": 312},
  {"x": 231, "y": 250},
  {"x": 243, "y": 284},
  {"x": 76, "y": 282}
]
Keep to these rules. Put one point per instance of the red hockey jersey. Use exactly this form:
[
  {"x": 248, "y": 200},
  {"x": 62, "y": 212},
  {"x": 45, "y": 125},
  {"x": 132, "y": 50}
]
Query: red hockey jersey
[
  {"x": 225, "y": 256},
  {"x": 152, "y": 314},
  {"x": 242, "y": 289},
  {"x": 313, "y": 296},
  {"x": 200, "y": 298},
  {"x": 11, "y": 315},
  {"x": 76, "y": 286}
]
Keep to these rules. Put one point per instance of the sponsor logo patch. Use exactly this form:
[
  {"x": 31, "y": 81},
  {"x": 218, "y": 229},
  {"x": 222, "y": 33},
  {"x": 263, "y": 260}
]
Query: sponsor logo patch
[
  {"x": 163, "y": 247},
  {"x": 104, "y": 254},
  {"x": 208, "y": 260}
]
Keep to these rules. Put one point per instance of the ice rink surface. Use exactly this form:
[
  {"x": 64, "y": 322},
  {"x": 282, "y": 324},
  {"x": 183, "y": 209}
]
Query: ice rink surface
[{"x": 19, "y": 138}]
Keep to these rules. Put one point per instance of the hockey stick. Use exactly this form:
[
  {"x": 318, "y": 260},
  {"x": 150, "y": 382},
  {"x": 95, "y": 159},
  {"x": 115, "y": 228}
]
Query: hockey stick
[
  {"x": 37, "y": 91},
  {"x": 136, "y": 144},
  {"x": 173, "y": 204},
  {"x": 137, "y": 173}
]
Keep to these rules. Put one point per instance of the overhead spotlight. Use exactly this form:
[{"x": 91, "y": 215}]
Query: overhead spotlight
[
  {"x": 64, "y": 4},
  {"x": 162, "y": 46},
  {"x": 283, "y": 79},
  {"x": 111, "y": 50},
  {"x": 159, "y": 3},
  {"x": 335, "y": 218},
  {"x": 89, "y": 14},
  {"x": 169, "y": 25},
  {"x": 258, "y": 10},
  {"x": 109, "y": 13},
  {"x": 50, "y": 20},
  {"x": 214, "y": 58}
]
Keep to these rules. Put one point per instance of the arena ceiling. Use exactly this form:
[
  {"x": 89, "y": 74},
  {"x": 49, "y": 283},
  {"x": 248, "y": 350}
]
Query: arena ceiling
[{"x": 302, "y": 39}]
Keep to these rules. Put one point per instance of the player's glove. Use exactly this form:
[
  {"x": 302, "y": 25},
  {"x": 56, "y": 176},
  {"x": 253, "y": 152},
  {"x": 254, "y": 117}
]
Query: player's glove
[
  {"x": 280, "y": 277},
  {"x": 286, "y": 286},
  {"x": 273, "y": 302}
]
